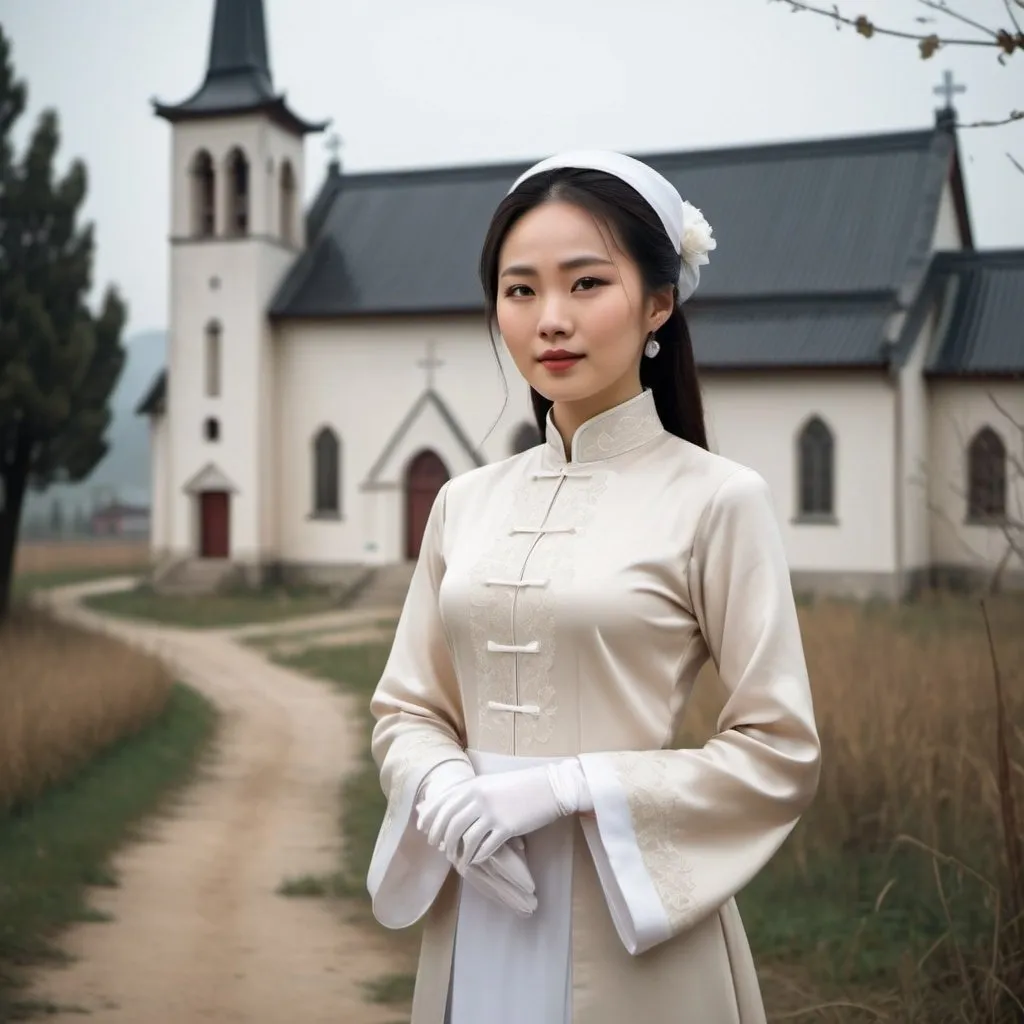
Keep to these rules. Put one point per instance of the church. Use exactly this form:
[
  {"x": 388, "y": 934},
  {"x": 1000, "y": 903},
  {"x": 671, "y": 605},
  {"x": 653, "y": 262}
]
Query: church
[{"x": 329, "y": 367}]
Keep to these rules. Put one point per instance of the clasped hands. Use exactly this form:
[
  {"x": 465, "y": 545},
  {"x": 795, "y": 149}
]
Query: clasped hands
[{"x": 478, "y": 821}]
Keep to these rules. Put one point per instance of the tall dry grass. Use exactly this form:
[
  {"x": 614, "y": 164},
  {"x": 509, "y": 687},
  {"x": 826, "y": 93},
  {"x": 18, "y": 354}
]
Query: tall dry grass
[
  {"x": 71, "y": 555},
  {"x": 912, "y": 789},
  {"x": 65, "y": 695}
]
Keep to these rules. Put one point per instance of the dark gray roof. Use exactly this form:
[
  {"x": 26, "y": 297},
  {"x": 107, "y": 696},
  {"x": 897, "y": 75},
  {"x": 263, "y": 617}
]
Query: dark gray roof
[
  {"x": 811, "y": 220},
  {"x": 776, "y": 335},
  {"x": 238, "y": 77},
  {"x": 984, "y": 296},
  {"x": 155, "y": 399}
]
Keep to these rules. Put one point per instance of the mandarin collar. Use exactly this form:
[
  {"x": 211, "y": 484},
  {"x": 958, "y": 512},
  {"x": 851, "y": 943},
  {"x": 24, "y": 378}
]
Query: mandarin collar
[{"x": 613, "y": 432}]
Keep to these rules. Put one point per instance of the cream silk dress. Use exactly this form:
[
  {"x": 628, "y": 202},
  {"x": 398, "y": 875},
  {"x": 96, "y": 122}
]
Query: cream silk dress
[{"x": 564, "y": 607}]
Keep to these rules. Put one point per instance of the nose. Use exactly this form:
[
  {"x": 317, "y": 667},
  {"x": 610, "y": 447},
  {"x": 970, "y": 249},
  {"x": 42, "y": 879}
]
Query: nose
[{"x": 554, "y": 321}]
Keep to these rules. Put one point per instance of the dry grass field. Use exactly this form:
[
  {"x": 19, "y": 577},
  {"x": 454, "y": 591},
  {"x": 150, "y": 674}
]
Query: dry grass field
[
  {"x": 93, "y": 734},
  {"x": 72, "y": 556},
  {"x": 66, "y": 695},
  {"x": 893, "y": 898}
]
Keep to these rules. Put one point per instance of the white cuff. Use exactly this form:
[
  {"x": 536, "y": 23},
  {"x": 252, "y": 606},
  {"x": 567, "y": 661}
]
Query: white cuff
[
  {"x": 406, "y": 872},
  {"x": 634, "y": 904}
]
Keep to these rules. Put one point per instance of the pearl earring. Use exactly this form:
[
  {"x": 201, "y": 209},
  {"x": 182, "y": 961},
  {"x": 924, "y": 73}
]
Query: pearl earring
[{"x": 653, "y": 346}]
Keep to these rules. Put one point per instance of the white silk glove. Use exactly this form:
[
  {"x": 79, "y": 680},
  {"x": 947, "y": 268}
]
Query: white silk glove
[
  {"x": 505, "y": 877},
  {"x": 475, "y": 817}
]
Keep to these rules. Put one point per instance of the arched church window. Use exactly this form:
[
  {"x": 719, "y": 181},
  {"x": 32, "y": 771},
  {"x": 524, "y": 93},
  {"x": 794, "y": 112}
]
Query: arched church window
[
  {"x": 986, "y": 476},
  {"x": 204, "y": 195},
  {"x": 238, "y": 180},
  {"x": 525, "y": 437},
  {"x": 816, "y": 470},
  {"x": 326, "y": 473},
  {"x": 211, "y": 429},
  {"x": 214, "y": 358},
  {"x": 287, "y": 202}
]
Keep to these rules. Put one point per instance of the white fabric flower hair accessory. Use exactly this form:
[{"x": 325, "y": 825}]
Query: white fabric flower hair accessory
[
  {"x": 698, "y": 240},
  {"x": 684, "y": 224}
]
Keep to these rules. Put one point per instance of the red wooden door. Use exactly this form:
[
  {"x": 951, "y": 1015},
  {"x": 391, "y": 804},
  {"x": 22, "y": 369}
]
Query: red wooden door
[
  {"x": 214, "y": 524},
  {"x": 425, "y": 476}
]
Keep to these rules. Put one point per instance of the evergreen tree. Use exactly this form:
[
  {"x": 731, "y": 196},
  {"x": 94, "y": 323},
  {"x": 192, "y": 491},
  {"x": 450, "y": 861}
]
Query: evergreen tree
[{"x": 59, "y": 362}]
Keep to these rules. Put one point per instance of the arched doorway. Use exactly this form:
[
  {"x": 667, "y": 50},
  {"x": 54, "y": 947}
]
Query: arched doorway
[{"x": 425, "y": 475}]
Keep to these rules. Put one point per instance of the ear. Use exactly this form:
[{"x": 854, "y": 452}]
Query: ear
[{"x": 659, "y": 308}]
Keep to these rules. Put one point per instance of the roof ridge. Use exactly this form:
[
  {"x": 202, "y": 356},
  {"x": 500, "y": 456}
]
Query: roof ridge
[
  {"x": 824, "y": 147},
  {"x": 952, "y": 259}
]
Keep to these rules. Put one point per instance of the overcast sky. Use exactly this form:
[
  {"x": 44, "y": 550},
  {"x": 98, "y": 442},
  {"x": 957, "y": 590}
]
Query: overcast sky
[{"x": 416, "y": 83}]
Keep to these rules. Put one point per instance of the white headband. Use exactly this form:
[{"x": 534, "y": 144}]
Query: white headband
[{"x": 684, "y": 224}]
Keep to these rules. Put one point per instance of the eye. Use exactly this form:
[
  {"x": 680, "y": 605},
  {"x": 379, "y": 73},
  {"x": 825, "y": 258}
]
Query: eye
[
  {"x": 587, "y": 284},
  {"x": 516, "y": 291}
]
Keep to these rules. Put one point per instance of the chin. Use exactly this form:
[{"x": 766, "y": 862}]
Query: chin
[{"x": 562, "y": 390}]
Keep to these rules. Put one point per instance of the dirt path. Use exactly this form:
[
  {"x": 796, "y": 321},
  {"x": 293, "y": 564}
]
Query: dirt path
[{"x": 198, "y": 932}]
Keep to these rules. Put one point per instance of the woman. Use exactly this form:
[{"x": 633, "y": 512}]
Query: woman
[{"x": 571, "y": 866}]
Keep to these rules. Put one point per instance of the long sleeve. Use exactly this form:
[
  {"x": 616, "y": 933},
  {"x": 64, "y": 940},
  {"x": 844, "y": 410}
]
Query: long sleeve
[
  {"x": 419, "y": 725},
  {"x": 676, "y": 833}
]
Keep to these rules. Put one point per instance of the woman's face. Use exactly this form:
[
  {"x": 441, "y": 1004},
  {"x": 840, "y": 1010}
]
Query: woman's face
[{"x": 571, "y": 308}]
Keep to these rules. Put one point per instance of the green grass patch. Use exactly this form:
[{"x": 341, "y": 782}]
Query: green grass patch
[
  {"x": 330, "y": 635},
  {"x": 53, "y": 849},
  {"x": 27, "y": 583},
  {"x": 356, "y": 669},
  {"x": 390, "y": 989},
  {"x": 231, "y": 608}
]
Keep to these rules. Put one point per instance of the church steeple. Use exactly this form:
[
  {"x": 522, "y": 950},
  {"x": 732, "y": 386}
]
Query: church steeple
[
  {"x": 238, "y": 78},
  {"x": 238, "y": 45}
]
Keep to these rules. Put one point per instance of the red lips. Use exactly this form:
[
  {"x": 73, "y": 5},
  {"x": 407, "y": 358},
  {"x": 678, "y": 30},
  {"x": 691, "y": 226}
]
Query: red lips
[{"x": 558, "y": 355}]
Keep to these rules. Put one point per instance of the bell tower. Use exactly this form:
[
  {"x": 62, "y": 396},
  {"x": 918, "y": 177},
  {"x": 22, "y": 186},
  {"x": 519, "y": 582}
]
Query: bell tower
[{"x": 237, "y": 166}]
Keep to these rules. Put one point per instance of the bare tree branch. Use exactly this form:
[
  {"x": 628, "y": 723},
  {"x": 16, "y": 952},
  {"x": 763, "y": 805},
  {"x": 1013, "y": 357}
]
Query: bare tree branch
[
  {"x": 1014, "y": 115},
  {"x": 1002, "y": 39},
  {"x": 942, "y": 8},
  {"x": 1013, "y": 17}
]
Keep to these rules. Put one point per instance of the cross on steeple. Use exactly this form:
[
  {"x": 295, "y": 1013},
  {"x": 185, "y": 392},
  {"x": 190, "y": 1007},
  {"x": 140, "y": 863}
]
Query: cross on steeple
[
  {"x": 949, "y": 89},
  {"x": 430, "y": 364},
  {"x": 333, "y": 145}
]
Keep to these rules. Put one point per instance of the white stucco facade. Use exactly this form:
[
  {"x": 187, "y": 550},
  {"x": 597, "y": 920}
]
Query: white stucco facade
[
  {"x": 756, "y": 419},
  {"x": 362, "y": 379},
  {"x": 958, "y": 410},
  {"x": 226, "y": 280},
  {"x": 234, "y": 447}
]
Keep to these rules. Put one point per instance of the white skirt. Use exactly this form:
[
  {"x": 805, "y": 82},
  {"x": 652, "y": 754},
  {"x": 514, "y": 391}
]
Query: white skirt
[{"x": 507, "y": 969}]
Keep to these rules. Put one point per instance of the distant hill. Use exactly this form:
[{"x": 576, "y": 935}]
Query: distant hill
[{"x": 124, "y": 472}]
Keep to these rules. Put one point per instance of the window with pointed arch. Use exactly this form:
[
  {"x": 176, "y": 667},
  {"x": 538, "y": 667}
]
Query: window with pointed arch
[
  {"x": 238, "y": 187},
  {"x": 214, "y": 359},
  {"x": 816, "y": 472},
  {"x": 326, "y": 474},
  {"x": 286, "y": 201},
  {"x": 525, "y": 437},
  {"x": 986, "y": 477},
  {"x": 204, "y": 195}
]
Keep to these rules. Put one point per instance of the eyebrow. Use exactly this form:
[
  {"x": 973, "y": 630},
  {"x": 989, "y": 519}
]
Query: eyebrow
[{"x": 524, "y": 270}]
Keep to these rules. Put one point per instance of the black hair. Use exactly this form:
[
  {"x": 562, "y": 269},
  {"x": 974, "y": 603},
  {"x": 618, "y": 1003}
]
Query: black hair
[{"x": 672, "y": 373}]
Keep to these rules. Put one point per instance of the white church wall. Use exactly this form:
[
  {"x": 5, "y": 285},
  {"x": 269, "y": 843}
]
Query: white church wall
[
  {"x": 947, "y": 228},
  {"x": 159, "y": 537},
  {"x": 266, "y": 146},
  {"x": 361, "y": 378},
  {"x": 959, "y": 408},
  {"x": 228, "y": 280},
  {"x": 915, "y": 458},
  {"x": 756, "y": 418}
]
